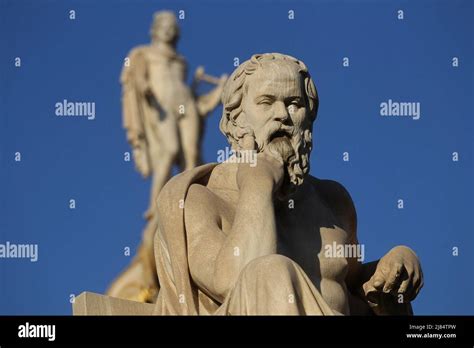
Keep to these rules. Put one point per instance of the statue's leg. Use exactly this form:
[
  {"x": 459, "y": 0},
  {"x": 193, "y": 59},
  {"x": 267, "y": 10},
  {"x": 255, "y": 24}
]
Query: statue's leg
[
  {"x": 274, "y": 284},
  {"x": 164, "y": 150},
  {"x": 189, "y": 128}
]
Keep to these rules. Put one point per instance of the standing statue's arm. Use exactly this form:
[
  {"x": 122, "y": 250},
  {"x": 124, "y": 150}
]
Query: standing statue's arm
[{"x": 208, "y": 102}]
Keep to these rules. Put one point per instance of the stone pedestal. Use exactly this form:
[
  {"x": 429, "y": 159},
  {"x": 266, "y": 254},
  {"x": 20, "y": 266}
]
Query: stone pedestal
[{"x": 89, "y": 303}]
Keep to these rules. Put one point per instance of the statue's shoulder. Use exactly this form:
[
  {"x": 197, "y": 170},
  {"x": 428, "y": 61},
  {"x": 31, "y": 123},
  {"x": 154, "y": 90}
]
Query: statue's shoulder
[
  {"x": 337, "y": 198},
  {"x": 155, "y": 54},
  {"x": 138, "y": 50},
  {"x": 136, "y": 59},
  {"x": 330, "y": 188},
  {"x": 175, "y": 195},
  {"x": 178, "y": 186}
]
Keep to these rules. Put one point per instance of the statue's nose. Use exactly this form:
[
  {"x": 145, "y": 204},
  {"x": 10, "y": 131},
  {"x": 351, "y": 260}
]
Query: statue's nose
[{"x": 281, "y": 113}]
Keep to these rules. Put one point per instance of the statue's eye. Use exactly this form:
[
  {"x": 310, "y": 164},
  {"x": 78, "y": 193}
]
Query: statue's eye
[
  {"x": 296, "y": 102},
  {"x": 265, "y": 101}
]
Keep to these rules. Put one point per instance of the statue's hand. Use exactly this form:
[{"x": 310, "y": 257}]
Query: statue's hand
[
  {"x": 268, "y": 169},
  {"x": 398, "y": 272}
]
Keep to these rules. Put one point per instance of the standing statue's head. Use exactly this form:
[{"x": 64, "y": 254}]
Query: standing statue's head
[
  {"x": 165, "y": 28},
  {"x": 272, "y": 99}
]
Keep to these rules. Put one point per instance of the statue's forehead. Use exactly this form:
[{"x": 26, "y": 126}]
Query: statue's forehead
[{"x": 276, "y": 78}]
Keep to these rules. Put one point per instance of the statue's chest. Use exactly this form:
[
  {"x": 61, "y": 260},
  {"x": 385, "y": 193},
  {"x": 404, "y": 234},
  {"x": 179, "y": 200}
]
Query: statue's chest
[
  {"x": 165, "y": 67},
  {"x": 306, "y": 236}
]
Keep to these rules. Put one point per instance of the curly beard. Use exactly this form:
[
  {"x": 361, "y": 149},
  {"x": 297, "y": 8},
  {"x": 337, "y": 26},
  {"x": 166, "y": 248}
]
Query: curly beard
[{"x": 294, "y": 148}]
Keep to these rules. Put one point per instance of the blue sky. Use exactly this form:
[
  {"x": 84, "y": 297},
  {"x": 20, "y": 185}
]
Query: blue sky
[{"x": 391, "y": 158}]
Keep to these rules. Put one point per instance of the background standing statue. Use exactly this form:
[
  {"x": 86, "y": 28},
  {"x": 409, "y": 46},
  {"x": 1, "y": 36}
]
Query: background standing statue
[{"x": 163, "y": 118}]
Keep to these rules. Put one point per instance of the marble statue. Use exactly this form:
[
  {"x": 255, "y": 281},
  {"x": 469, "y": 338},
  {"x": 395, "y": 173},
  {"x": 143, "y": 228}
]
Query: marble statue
[
  {"x": 241, "y": 239},
  {"x": 254, "y": 239},
  {"x": 163, "y": 118}
]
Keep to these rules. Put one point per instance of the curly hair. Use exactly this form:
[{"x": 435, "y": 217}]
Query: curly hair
[{"x": 230, "y": 125}]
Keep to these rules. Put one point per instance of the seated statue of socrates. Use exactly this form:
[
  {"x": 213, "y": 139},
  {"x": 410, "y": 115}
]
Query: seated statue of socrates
[{"x": 239, "y": 238}]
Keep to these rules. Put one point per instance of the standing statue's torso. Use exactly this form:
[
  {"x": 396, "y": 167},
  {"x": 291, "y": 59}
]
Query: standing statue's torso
[{"x": 166, "y": 75}]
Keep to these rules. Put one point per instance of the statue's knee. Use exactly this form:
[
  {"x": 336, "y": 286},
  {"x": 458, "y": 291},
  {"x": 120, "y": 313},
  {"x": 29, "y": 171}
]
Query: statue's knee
[
  {"x": 274, "y": 265},
  {"x": 274, "y": 276}
]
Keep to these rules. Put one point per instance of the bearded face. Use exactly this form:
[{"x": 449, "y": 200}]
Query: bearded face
[{"x": 274, "y": 108}]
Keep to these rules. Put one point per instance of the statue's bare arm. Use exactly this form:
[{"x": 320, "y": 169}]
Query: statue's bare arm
[
  {"x": 343, "y": 208},
  {"x": 204, "y": 236},
  {"x": 217, "y": 259},
  {"x": 397, "y": 272}
]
